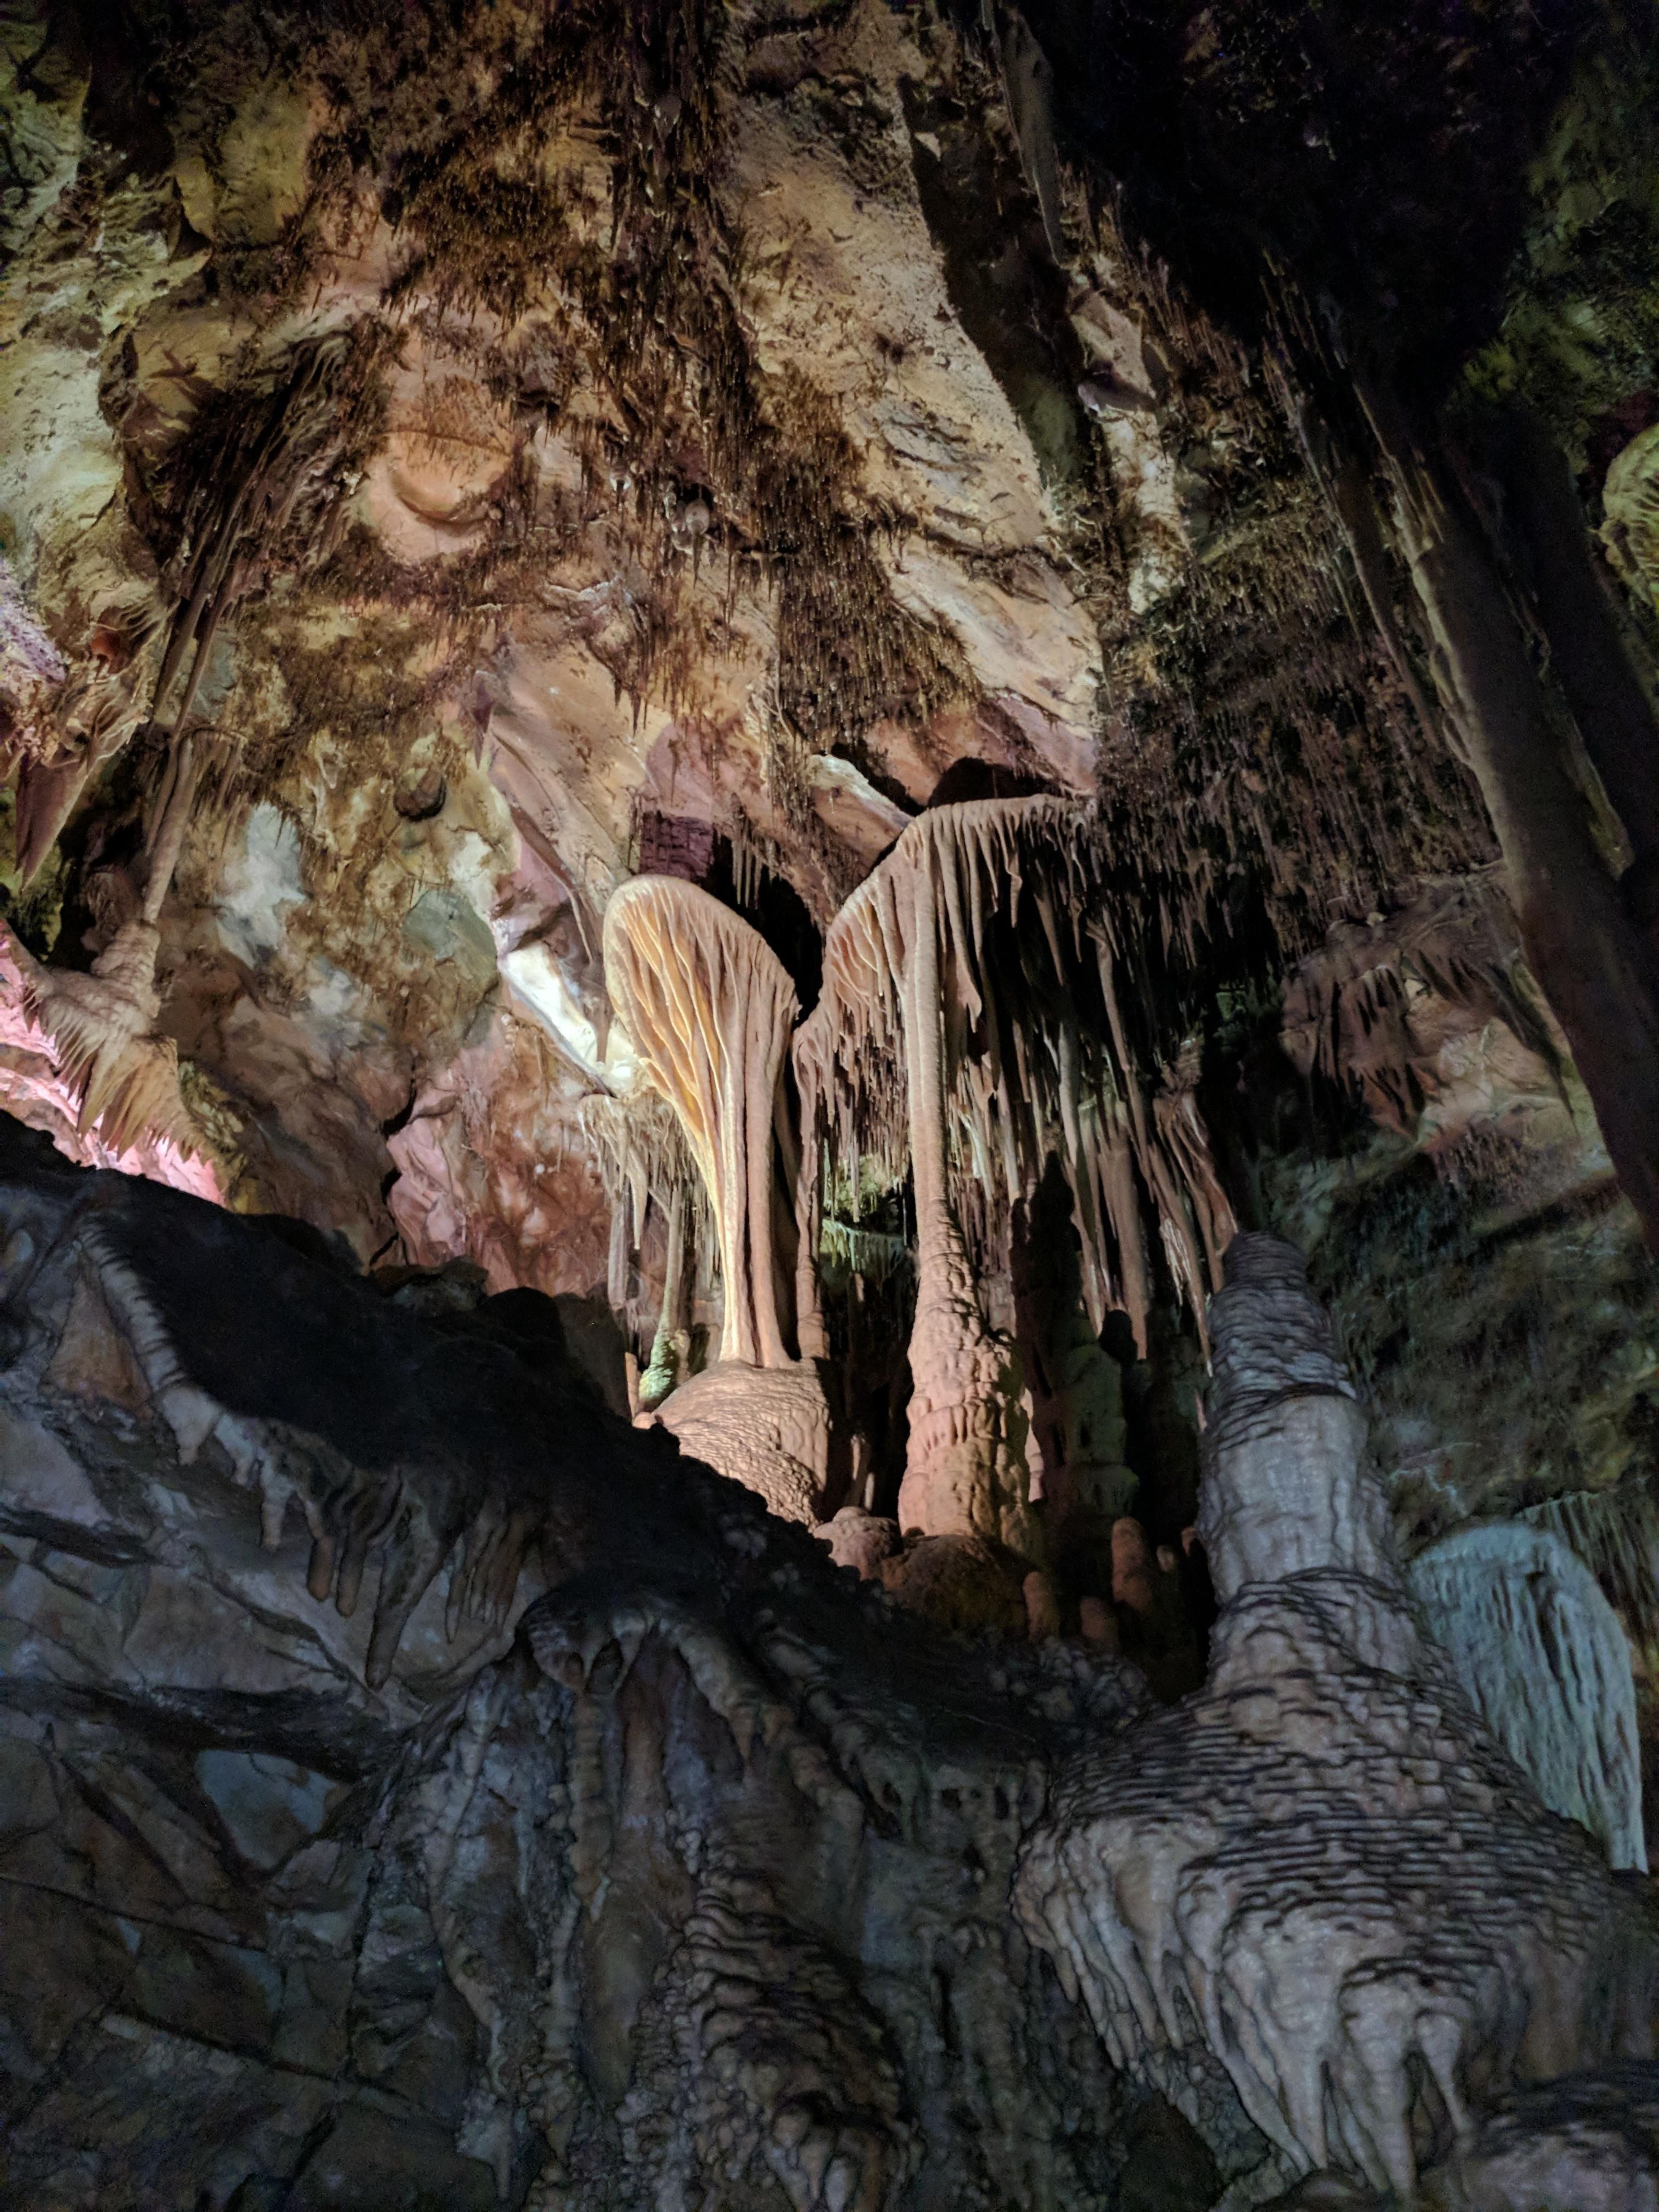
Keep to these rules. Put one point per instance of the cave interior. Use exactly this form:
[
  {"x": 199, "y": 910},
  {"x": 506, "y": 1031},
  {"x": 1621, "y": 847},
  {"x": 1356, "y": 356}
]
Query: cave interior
[{"x": 829, "y": 1105}]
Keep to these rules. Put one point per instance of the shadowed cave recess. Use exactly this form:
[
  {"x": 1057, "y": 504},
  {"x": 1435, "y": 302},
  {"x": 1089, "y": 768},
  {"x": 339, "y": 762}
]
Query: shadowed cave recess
[{"x": 829, "y": 1105}]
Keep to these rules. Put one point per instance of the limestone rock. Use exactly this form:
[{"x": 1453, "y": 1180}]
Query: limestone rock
[{"x": 1322, "y": 1870}]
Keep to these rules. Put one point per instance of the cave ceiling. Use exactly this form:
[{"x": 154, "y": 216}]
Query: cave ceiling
[
  {"x": 704, "y": 446},
  {"x": 459, "y": 459}
]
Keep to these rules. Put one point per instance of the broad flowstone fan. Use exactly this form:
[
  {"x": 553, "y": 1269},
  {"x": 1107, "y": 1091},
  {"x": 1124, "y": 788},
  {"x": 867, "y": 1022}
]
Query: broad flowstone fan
[
  {"x": 710, "y": 1011},
  {"x": 727, "y": 1879}
]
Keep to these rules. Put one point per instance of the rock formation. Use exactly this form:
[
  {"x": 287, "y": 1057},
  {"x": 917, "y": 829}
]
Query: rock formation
[
  {"x": 721, "y": 724},
  {"x": 1542, "y": 1653},
  {"x": 711, "y": 1012},
  {"x": 102, "y": 1024},
  {"x": 701, "y": 1879},
  {"x": 1321, "y": 1873},
  {"x": 977, "y": 960}
]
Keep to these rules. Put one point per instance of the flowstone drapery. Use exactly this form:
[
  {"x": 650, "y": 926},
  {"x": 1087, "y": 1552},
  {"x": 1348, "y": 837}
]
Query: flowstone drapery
[
  {"x": 1541, "y": 1651},
  {"x": 1322, "y": 1870},
  {"x": 972, "y": 1022},
  {"x": 710, "y": 1011}
]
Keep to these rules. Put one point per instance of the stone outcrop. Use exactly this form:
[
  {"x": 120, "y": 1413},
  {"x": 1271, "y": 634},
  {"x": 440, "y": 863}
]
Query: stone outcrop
[
  {"x": 676, "y": 1860},
  {"x": 701, "y": 1885}
]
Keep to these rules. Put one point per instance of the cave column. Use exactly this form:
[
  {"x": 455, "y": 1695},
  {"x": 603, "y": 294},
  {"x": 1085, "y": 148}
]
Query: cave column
[
  {"x": 958, "y": 1464},
  {"x": 1588, "y": 956}
]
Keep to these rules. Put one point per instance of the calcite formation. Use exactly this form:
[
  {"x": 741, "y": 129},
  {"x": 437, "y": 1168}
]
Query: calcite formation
[
  {"x": 647, "y": 1855},
  {"x": 1322, "y": 1871},
  {"x": 721, "y": 721},
  {"x": 972, "y": 1022},
  {"x": 1542, "y": 1653},
  {"x": 711, "y": 1010}
]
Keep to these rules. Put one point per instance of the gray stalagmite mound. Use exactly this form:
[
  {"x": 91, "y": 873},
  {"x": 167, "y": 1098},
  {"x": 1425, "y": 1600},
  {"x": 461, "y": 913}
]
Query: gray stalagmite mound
[{"x": 1322, "y": 1870}]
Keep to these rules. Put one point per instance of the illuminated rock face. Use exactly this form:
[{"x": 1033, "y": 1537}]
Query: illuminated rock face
[{"x": 1322, "y": 1870}]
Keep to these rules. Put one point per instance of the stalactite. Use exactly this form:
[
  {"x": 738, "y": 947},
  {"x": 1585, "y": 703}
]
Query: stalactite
[
  {"x": 1616, "y": 1534},
  {"x": 89, "y": 722},
  {"x": 1590, "y": 956},
  {"x": 102, "y": 1023},
  {"x": 1348, "y": 1009},
  {"x": 972, "y": 1022},
  {"x": 264, "y": 476},
  {"x": 267, "y": 485},
  {"x": 645, "y": 1165},
  {"x": 710, "y": 1009},
  {"x": 1541, "y": 1651}
]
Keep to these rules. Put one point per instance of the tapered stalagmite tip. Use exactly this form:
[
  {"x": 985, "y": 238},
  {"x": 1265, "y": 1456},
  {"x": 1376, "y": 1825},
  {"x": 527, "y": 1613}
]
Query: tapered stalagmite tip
[{"x": 1253, "y": 1257}]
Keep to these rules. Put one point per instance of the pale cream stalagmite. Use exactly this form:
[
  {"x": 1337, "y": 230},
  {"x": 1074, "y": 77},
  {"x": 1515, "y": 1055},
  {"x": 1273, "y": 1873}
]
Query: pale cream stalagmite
[
  {"x": 710, "y": 1011},
  {"x": 1322, "y": 1872},
  {"x": 970, "y": 1023}
]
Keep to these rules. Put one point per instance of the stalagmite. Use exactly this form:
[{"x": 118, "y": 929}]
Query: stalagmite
[
  {"x": 1322, "y": 1870},
  {"x": 1541, "y": 1651},
  {"x": 710, "y": 1010},
  {"x": 972, "y": 1023}
]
